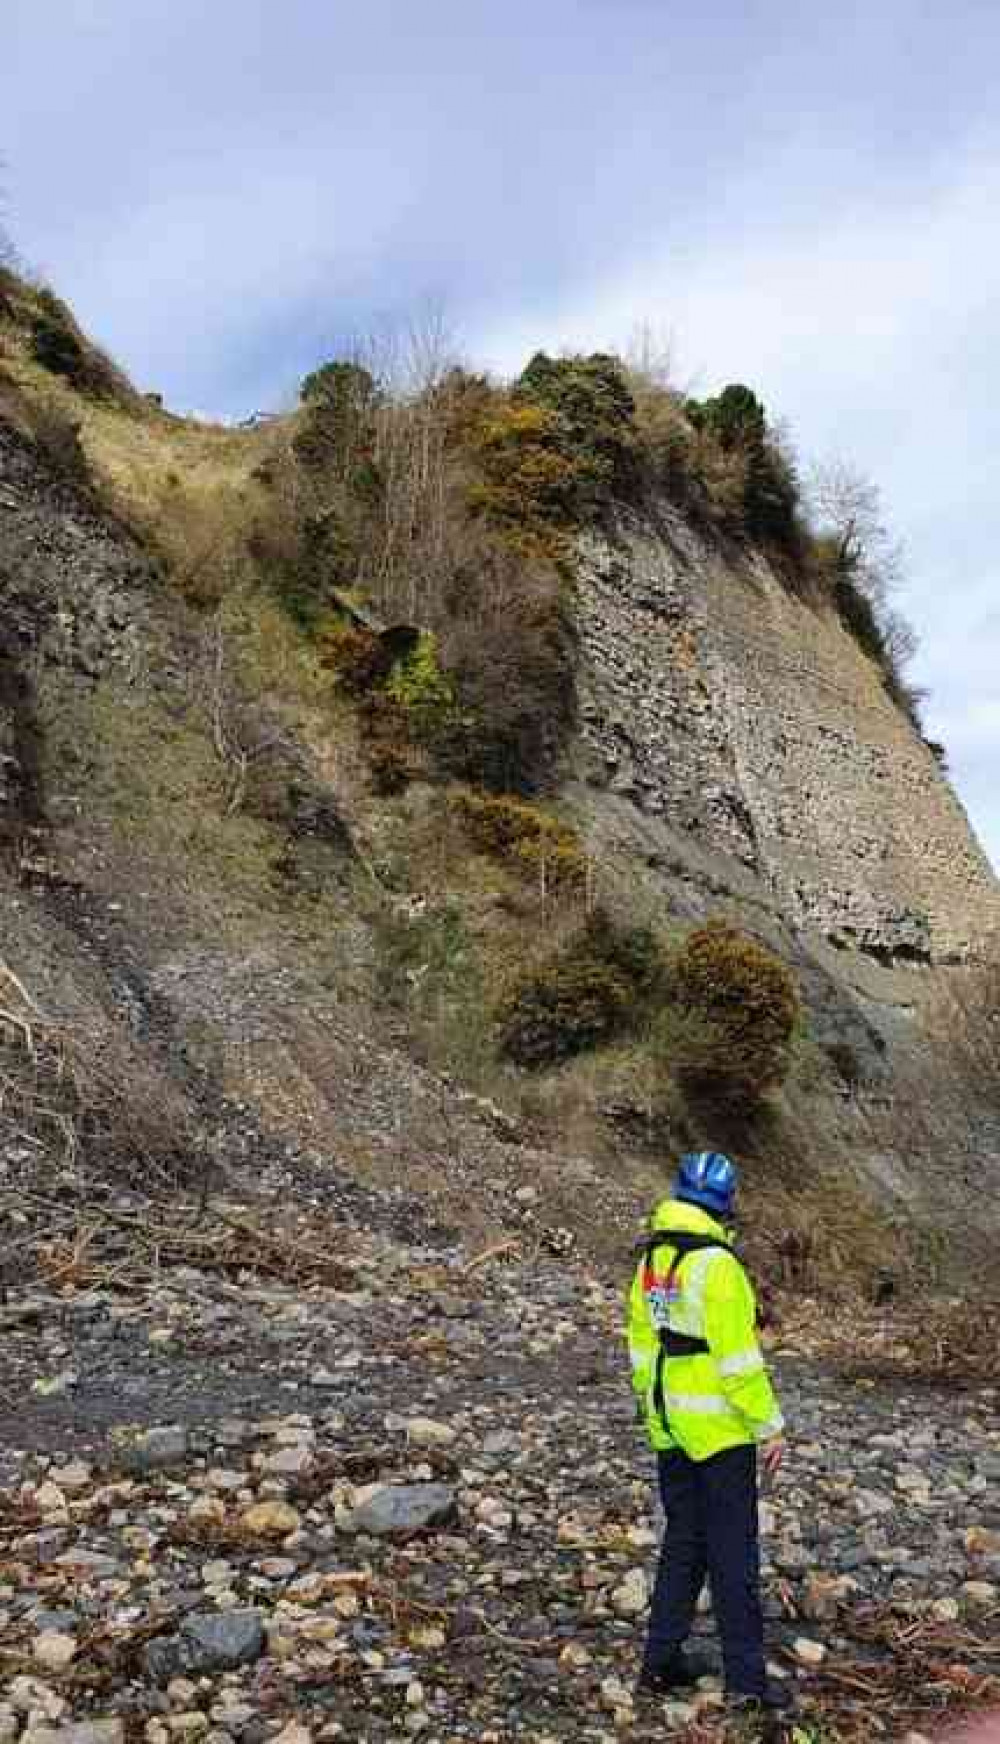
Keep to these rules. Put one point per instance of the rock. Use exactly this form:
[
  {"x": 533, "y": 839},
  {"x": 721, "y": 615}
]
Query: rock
[
  {"x": 181, "y": 1692},
  {"x": 385, "y": 1509},
  {"x": 428, "y": 1636},
  {"x": 28, "y": 1695},
  {"x": 270, "y": 1520},
  {"x": 425, "y": 1432},
  {"x": 209, "y": 1510},
  {"x": 821, "y": 1595},
  {"x": 493, "y": 1513},
  {"x": 290, "y": 1462},
  {"x": 631, "y": 1597},
  {"x": 208, "y": 1642},
  {"x": 50, "y": 1499},
  {"x": 89, "y": 1565},
  {"x": 574, "y": 1656},
  {"x": 678, "y": 1714},
  {"x": 809, "y": 1653},
  {"x": 74, "y": 1478},
  {"x": 232, "y": 1715},
  {"x": 501, "y": 1441},
  {"x": 54, "y": 1386},
  {"x": 151, "y": 1449},
  {"x": 53, "y": 1650},
  {"x": 61, "y": 1622},
  {"x": 910, "y": 1477},
  {"x": 979, "y": 1594},
  {"x": 981, "y": 1541},
  {"x": 614, "y": 1694}
]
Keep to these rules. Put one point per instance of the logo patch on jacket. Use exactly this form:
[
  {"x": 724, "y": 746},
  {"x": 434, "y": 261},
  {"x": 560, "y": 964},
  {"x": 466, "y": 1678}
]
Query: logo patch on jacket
[{"x": 661, "y": 1295}]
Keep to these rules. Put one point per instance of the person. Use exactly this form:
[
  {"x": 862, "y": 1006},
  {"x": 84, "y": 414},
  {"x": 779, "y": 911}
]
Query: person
[{"x": 708, "y": 1406}]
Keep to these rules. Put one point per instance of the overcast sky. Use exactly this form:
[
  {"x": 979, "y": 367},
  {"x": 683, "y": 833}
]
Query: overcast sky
[{"x": 804, "y": 196}]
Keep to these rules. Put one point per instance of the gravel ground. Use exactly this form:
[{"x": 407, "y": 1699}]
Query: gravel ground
[{"x": 416, "y": 1504}]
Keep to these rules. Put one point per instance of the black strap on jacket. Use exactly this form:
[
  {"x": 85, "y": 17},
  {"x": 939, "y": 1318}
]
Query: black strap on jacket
[{"x": 672, "y": 1344}]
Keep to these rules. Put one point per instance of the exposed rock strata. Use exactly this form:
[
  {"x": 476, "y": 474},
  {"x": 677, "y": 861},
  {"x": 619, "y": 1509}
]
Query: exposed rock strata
[{"x": 752, "y": 724}]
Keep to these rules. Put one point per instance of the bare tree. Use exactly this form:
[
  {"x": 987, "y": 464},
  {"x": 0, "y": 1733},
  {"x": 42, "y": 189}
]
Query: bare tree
[
  {"x": 848, "y": 509},
  {"x": 651, "y": 354},
  {"x": 900, "y": 637},
  {"x": 401, "y": 422},
  {"x": 241, "y": 733}
]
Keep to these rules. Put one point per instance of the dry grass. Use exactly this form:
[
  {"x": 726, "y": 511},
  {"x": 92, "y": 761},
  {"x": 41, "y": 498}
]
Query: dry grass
[
  {"x": 184, "y": 487},
  {"x": 945, "y": 1342},
  {"x": 88, "y": 1100}
]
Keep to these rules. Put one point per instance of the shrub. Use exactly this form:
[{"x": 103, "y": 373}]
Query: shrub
[
  {"x": 761, "y": 494},
  {"x": 667, "y": 442},
  {"x": 595, "y": 987},
  {"x": 59, "y": 347},
  {"x": 595, "y": 414},
  {"x": 508, "y": 642},
  {"x": 394, "y": 758},
  {"x": 554, "y": 451},
  {"x": 340, "y": 383},
  {"x": 561, "y": 1010},
  {"x": 10, "y": 289},
  {"x": 526, "y": 483},
  {"x": 633, "y": 952},
  {"x": 303, "y": 551},
  {"x": 356, "y": 656},
  {"x": 872, "y": 627},
  {"x": 57, "y": 435},
  {"x": 337, "y": 430},
  {"x": 735, "y": 417},
  {"x": 858, "y": 615},
  {"x": 414, "y": 949},
  {"x": 735, "y": 1008},
  {"x": 525, "y": 837},
  {"x": 422, "y": 691}
]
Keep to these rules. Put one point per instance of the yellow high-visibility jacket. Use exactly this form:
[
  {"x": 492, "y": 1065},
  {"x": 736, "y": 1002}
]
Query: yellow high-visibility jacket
[{"x": 713, "y": 1400}]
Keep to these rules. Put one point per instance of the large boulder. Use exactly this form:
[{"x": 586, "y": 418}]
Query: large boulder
[
  {"x": 208, "y": 1642},
  {"x": 386, "y": 1509}
]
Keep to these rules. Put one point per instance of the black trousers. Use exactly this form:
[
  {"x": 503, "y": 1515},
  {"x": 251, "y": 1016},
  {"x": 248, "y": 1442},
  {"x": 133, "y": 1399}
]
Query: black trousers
[{"x": 711, "y": 1530}]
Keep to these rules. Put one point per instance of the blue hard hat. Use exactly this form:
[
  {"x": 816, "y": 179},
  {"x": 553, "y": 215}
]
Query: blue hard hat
[{"x": 708, "y": 1179}]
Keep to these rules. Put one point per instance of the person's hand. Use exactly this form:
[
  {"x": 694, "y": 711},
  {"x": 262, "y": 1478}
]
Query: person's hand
[{"x": 773, "y": 1452}]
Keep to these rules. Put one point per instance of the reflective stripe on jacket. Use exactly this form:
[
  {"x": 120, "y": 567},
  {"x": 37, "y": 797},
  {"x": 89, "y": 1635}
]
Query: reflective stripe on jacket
[{"x": 713, "y": 1400}]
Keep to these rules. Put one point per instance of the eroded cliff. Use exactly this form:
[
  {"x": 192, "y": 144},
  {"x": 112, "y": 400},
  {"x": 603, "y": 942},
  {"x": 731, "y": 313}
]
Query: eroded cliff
[
  {"x": 200, "y": 881},
  {"x": 751, "y": 725}
]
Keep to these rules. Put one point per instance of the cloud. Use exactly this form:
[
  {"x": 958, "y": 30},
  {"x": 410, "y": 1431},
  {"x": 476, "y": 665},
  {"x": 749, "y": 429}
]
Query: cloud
[
  {"x": 868, "y": 338},
  {"x": 805, "y": 197}
]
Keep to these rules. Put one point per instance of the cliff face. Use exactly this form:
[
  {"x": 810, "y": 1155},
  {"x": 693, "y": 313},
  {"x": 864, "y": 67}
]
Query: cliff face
[
  {"x": 749, "y": 724},
  {"x": 73, "y": 598},
  {"x": 735, "y": 752}
]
